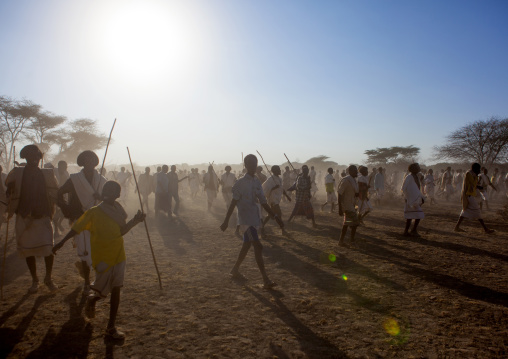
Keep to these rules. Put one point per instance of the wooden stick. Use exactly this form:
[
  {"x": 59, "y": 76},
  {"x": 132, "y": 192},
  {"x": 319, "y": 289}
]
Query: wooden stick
[
  {"x": 5, "y": 250},
  {"x": 146, "y": 226},
  {"x": 105, "y": 153},
  {"x": 271, "y": 174},
  {"x": 289, "y": 162}
]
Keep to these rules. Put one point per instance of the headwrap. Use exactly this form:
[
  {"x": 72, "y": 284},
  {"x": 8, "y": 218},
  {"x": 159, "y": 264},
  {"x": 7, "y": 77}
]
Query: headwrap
[
  {"x": 30, "y": 150},
  {"x": 87, "y": 155}
]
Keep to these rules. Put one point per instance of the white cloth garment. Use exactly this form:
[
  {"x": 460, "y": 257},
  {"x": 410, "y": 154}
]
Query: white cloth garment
[{"x": 413, "y": 197}]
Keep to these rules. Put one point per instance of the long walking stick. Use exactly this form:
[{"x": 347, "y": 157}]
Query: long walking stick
[
  {"x": 105, "y": 153},
  {"x": 144, "y": 220},
  {"x": 289, "y": 162},
  {"x": 6, "y": 238},
  {"x": 271, "y": 174},
  {"x": 5, "y": 252}
]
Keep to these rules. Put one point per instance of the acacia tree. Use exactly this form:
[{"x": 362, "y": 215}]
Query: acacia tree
[
  {"x": 41, "y": 127},
  {"x": 14, "y": 117},
  {"x": 82, "y": 134},
  {"x": 395, "y": 154},
  {"x": 484, "y": 141}
]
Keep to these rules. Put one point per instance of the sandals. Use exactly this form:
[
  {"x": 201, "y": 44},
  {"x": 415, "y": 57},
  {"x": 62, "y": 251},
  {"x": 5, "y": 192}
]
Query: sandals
[
  {"x": 235, "y": 275},
  {"x": 269, "y": 285},
  {"x": 34, "y": 288},
  {"x": 50, "y": 284},
  {"x": 114, "y": 333}
]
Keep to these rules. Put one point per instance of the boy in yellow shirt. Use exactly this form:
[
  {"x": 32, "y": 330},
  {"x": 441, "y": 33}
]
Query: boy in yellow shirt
[{"x": 106, "y": 224}]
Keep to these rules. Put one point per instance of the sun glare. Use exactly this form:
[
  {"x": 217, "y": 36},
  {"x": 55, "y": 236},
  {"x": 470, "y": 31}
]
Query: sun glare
[{"x": 149, "y": 39}]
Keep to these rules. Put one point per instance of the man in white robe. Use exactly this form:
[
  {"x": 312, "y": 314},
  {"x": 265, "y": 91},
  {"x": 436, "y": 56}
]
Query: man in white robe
[
  {"x": 77, "y": 195},
  {"x": 411, "y": 189}
]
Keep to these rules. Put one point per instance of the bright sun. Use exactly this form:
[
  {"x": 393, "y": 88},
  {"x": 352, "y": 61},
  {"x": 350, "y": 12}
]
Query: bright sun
[{"x": 149, "y": 39}]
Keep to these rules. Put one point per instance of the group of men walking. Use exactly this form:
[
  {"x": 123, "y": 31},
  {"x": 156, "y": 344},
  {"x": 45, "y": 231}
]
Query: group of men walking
[{"x": 91, "y": 203}]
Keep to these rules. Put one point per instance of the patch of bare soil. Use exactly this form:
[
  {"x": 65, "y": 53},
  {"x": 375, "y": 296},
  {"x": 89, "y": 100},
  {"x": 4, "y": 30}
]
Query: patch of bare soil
[{"x": 444, "y": 295}]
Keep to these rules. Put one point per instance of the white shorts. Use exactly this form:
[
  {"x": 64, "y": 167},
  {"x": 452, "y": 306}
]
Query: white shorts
[{"x": 106, "y": 280}]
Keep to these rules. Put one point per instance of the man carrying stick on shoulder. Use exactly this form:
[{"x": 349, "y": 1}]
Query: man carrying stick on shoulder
[
  {"x": 106, "y": 224},
  {"x": 247, "y": 195}
]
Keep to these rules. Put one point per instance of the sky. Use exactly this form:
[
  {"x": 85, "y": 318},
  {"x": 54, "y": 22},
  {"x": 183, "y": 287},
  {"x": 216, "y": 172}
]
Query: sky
[{"x": 200, "y": 81}]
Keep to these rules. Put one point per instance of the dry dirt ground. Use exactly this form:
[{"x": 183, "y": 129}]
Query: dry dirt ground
[{"x": 442, "y": 296}]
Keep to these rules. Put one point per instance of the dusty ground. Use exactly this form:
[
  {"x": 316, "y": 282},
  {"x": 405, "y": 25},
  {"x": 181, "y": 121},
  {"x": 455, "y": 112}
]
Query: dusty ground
[{"x": 445, "y": 295}]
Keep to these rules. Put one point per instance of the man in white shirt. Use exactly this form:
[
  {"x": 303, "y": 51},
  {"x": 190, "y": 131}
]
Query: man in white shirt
[{"x": 227, "y": 181}]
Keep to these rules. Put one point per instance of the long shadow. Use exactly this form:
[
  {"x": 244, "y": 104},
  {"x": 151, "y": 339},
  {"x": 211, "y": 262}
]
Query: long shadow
[
  {"x": 74, "y": 337},
  {"x": 327, "y": 282},
  {"x": 174, "y": 231},
  {"x": 10, "y": 337},
  {"x": 469, "y": 290},
  {"x": 475, "y": 251},
  {"x": 310, "y": 343},
  {"x": 344, "y": 263},
  {"x": 465, "y": 249},
  {"x": 375, "y": 247},
  {"x": 110, "y": 345},
  {"x": 12, "y": 310}
]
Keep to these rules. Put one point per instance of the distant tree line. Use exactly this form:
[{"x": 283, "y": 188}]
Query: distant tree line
[
  {"x": 392, "y": 155},
  {"x": 23, "y": 122},
  {"x": 483, "y": 141}
]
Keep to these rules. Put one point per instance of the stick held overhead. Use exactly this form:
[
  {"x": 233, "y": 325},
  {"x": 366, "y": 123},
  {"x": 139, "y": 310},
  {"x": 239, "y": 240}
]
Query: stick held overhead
[{"x": 146, "y": 226}]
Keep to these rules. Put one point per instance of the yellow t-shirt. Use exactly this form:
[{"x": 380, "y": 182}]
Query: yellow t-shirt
[{"x": 106, "y": 240}]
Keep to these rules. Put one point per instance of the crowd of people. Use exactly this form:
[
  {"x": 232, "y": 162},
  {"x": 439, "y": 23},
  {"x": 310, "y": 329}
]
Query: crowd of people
[{"x": 42, "y": 198}]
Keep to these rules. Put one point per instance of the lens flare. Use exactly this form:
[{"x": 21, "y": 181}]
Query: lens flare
[
  {"x": 332, "y": 257},
  {"x": 391, "y": 327},
  {"x": 344, "y": 277}
]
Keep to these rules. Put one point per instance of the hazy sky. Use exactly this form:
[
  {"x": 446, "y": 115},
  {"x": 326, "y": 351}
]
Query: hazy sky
[{"x": 198, "y": 81}]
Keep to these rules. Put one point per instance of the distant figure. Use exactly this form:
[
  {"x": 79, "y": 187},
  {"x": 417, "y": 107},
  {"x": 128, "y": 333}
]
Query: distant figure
[
  {"x": 379, "y": 185},
  {"x": 483, "y": 186},
  {"x": 273, "y": 190},
  {"x": 348, "y": 193},
  {"x": 447, "y": 183},
  {"x": 211, "y": 182},
  {"x": 173, "y": 188},
  {"x": 107, "y": 224},
  {"x": 260, "y": 175},
  {"x": 227, "y": 181},
  {"x": 194, "y": 182},
  {"x": 303, "y": 207},
  {"x": 411, "y": 188},
  {"x": 313, "y": 185},
  {"x": 430, "y": 186},
  {"x": 331, "y": 198},
  {"x": 31, "y": 193},
  {"x": 3, "y": 196},
  {"x": 247, "y": 193},
  {"x": 364, "y": 206},
  {"x": 286, "y": 180},
  {"x": 162, "y": 200},
  {"x": 458, "y": 178},
  {"x": 123, "y": 178},
  {"x": 470, "y": 206},
  {"x": 77, "y": 195},
  {"x": 146, "y": 187}
]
